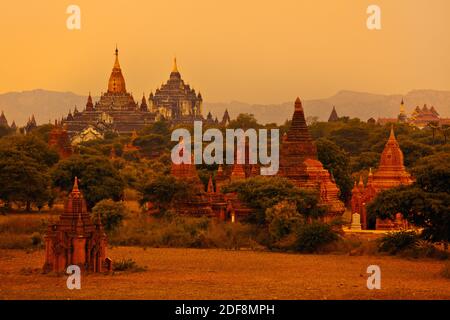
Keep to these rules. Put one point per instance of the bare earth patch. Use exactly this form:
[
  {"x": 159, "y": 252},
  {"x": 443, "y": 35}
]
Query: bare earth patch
[{"x": 220, "y": 274}]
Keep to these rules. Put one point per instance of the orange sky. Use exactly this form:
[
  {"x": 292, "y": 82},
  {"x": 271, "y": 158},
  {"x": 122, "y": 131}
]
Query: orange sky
[{"x": 255, "y": 51}]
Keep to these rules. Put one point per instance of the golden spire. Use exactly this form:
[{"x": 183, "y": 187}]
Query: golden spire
[
  {"x": 175, "y": 68},
  {"x": 116, "y": 63},
  {"x": 402, "y": 107},
  {"x": 116, "y": 82}
]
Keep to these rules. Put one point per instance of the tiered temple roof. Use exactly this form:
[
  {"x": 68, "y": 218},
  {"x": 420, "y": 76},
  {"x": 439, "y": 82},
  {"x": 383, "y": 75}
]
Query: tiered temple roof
[
  {"x": 299, "y": 163},
  {"x": 391, "y": 173},
  {"x": 176, "y": 100},
  {"x": 75, "y": 239}
]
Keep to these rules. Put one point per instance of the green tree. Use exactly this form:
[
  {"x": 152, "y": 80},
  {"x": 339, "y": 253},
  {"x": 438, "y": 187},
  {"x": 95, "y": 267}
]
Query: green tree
[
  {"x": 364, "y": 160},
  {"x": 282, "y": 219},
  {"x": 336, "y": 160},
  {"x": 312, "y": 237},
  {"x": 23, "y": 180},
  {"x": 412, "y": 151},
  {"x": 165, "y": 192},
  {"x": 98, "y": 178},
  {"x": 32, "y": 146},
  {"x": 351, "y": 138},
  {"x": 111, "y": 214},
  {"x": 261, "y": 193},
  {"x": 244, "y": 121}
]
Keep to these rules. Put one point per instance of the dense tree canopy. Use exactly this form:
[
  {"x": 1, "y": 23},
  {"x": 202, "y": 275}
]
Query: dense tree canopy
[
  {"x": 261, "y": 193},
  {"x": 336, "y": 161},
  {"x": 32, "y": 146},
  {"x": 98, "y": 178},
  {"x": 165, "y": 192},
  {"x": 23, "y": 180}
]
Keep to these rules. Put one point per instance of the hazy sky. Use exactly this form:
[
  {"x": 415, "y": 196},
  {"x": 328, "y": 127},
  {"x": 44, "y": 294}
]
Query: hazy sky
[{"x": 255, "y": 51}]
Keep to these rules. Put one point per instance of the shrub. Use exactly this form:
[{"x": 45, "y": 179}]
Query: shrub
[
  {"x": 127, "y": 265},
  {"x": 111, "y": 214},
  {"x": 395, "y": 242},
  {"x": 36, "y": 239},
  {"x": 282, "y": 219},
  {"x": 183, "y": 232},
  {"x": 311, "y": 237}
]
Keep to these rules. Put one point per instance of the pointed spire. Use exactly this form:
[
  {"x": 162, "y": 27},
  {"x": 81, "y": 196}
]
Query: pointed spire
[
  {"x": 298, "y": 105},
  {"x": 333, "y": 115},
  {"x": 89, "y": 104},
  {"x": 175, "y": 67},
  {"x": 361, "y": 182},
  {"x": 402, "y": 107},
  {"x": 144, "y": 106},
  {"x": 298, "y": 132},
  {"x": 3, "y": 121},
  {"x": 116, "y": 62},
  {"x": 210, "y": 188},
  {"x": 75, "y": 186},
  {"x": 392, "y": 134},
  {"x": 116, "y": 82}
]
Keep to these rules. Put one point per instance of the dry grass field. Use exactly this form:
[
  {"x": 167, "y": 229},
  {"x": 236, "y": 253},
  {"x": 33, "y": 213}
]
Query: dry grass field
[{"x": 221, "y": 274}]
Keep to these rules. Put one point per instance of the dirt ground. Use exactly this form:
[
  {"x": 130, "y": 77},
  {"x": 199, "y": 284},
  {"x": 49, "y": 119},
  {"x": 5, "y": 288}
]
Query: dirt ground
[{"x": 219, "y": 274}]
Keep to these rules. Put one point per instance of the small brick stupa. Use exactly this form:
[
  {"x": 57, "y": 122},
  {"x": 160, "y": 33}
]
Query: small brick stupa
[
  {"x": 299, "y": 163},
  {"x": 391, "y": 173},
  {"x": 198, "y": 204},
  {"x": 75, "y": 239}
]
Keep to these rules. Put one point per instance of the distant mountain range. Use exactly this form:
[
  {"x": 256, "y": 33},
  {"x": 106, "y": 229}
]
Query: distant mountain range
[{"x": 49, "y": 105}]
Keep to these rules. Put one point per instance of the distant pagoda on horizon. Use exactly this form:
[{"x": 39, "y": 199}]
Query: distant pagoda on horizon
[{"x": 333, "y": 116}]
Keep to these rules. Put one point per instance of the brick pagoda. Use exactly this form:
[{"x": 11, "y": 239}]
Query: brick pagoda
[
  {"x": 391, "y": 173},
  {"x": 75, "y": 239},
  {"x": 299, "y": 163}
]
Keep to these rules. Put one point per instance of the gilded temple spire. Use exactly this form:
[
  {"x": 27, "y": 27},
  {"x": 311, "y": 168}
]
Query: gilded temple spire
[
  {"x": 116, "y": 82},
  {"x": 175, "y": 67}
]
